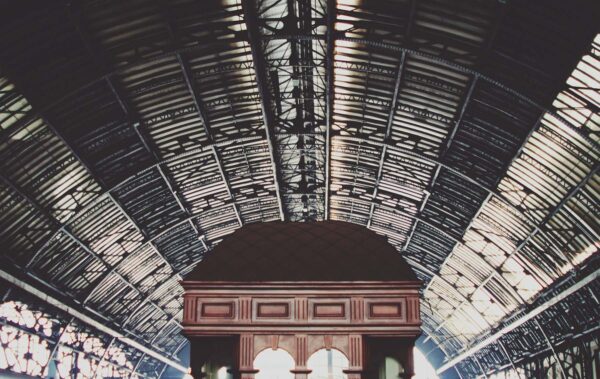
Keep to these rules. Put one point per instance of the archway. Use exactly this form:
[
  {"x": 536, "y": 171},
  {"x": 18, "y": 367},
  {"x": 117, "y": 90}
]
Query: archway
[
  {"x": 390, "y": 368},
  {"x": 327, "y": 364},
  {"x": 217, "y": 371},
  {"x": 274, "y": 364}
]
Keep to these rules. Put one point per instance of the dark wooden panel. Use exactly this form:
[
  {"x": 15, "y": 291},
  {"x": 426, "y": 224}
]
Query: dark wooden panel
[
  {"x": 385, "y": 310},
  {"x": 273, "y": 310},
  {"x": 217, "y": 310},
  {"x": 329, "y": 310}
]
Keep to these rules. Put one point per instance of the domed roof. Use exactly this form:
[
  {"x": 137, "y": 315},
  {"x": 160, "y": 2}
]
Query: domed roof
[{"x": 315, "y": 251}]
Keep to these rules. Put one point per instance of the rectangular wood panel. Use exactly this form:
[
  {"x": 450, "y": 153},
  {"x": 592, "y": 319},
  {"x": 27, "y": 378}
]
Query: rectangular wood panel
[
  {"x": 222, "y": 309},
  {"x": 385, "y": 310},
  {"x": 216, "y": 310},
  {"x": 329, "y": 310},
  {"x": 273, "y": 310}
]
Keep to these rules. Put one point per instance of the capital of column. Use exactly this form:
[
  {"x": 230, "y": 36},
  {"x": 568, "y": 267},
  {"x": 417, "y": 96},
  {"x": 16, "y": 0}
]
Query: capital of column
[
  {"x": 301, "y": 372},
  {"x": 247, "y": 373},
  {"x": 354, "y": 373}
]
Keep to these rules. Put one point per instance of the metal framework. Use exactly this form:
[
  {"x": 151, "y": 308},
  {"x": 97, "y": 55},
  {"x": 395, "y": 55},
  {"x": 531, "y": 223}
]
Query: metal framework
[{"x": 135, "y": 136}]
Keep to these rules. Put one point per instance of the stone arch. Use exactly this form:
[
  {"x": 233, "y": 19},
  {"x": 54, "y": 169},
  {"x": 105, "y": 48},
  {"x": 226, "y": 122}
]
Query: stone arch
[
  {"x": 274, "y": 364},
  {"x": 328, "y": 364}
]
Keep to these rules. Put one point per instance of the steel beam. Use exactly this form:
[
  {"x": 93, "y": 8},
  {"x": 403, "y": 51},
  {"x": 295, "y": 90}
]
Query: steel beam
[
  {"x": 227, "y": 184},
  {"x": 132, "y": 116},
  {"x": 520, "y": 321},
  {"x": 258, "y": 38},
  {"x": 394, "y": 103},
  {"x": 330, "y": 93},
  {"x": 441, "y": 231},
  {"x": 392, "y": 147},
  {"x": 512, "y": 362},
  {"x": 68, "y": 347},
  {"x": 507, "y": 166},
  {"x": 191, "y": 86},
  {"x": 461, "y": 114},
  {"x": 255, "y": 41},
  {"x": 436, "y": 162},
  {"x": 556, "y": 357},
  {"x": 43, "y": 212},
  {"x": 444, "y": 150},
  {"x": 88, "y": 320},
  {"x": 159, "y": 163},
  {"x": 480, "y": 367},
  {"x": 66, "y": 230},
  {"x": 158, "y": 289},
  {"x": 388, "y": 133},
  {"x": 134, "y": 121},
  {"x": 426, "y": 270},
  {"x": 52, "y": 354},
  {"x": 536, "y": 230},
  {"x": 186, "y": 71},
  {"x": 142, "y": 232},
  {"x": 203, "y": 115},
  {"x": 150, "y": 241},
  {"x": 382, "y": 145}
]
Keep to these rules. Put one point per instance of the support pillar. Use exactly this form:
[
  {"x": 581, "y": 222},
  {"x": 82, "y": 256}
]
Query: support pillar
[
  {"x": 301, "y": 356},
  {"x": 246, "y": 368},
  {"x": 356, "y": 358},
  {"x": 409, "y": 361}
]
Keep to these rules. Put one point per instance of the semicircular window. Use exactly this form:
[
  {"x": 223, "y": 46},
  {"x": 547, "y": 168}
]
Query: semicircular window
[
  {"x": 274, "y": 364},
  {"x": 327, "y": 364}
]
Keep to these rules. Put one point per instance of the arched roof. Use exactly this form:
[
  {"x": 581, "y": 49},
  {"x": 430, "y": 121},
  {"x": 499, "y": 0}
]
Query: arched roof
[{"x": 136, "y": 135}]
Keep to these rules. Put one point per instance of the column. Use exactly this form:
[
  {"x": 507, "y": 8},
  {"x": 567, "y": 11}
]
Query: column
[
  {"x": 402, "y": 349},
  {"x": 301, "y": 371},
  {"x": 409, "y": 361},
  {"x": 246, "y": 357},
  {"x": 356, "y": 358}
]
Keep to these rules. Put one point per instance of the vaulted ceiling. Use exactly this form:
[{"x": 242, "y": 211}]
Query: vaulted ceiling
[{"x": 135, "y": 135}]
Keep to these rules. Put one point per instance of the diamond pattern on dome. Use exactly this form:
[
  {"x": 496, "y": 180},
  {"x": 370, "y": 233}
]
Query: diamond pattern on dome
[{"x": 317, "y": 251}]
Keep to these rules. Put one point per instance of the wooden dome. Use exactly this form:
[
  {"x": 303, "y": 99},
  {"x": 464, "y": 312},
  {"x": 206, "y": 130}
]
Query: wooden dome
[{"x": 314, "y": 251}]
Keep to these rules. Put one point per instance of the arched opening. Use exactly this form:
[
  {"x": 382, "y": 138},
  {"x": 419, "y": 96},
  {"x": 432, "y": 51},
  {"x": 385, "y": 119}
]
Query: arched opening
[
  {"x": 390, "y": 368},
  {"x": 274, "y": 364},
  {"x": 327, "y": 364},
  {"x": 217, "y": 371}
]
